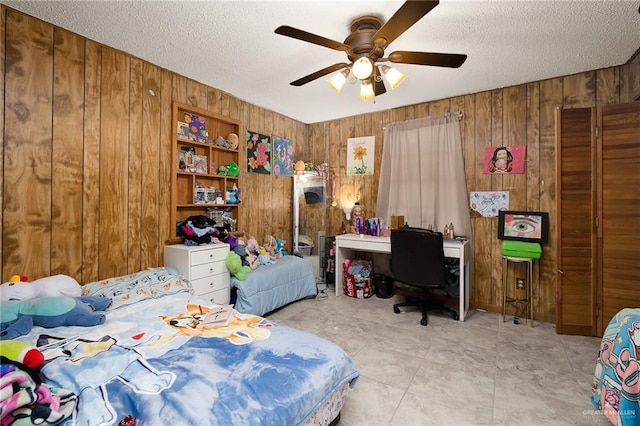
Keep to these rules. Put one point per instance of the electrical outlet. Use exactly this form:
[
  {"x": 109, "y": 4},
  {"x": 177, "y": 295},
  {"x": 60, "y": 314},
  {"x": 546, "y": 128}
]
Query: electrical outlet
[{"x": 520, "y": 283}]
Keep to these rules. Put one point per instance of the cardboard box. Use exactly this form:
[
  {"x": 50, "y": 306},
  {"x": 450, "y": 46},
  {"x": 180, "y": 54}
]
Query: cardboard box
[{"x": 397, "y": 222}]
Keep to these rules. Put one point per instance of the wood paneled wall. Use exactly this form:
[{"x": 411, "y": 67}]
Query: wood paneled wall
[{"x": 87, "y": 156}]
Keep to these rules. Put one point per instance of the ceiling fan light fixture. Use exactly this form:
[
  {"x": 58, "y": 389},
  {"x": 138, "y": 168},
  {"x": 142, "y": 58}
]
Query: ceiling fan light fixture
[
  {"x": 366, "y": 91},
  {"x": 362, "y": 68},
  {"x": 393, "y": 76},
  {"x": 337, "y": 81}
]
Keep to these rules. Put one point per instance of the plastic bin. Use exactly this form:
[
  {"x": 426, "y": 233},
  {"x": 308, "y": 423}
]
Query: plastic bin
[{"x": 383, "y": 286}]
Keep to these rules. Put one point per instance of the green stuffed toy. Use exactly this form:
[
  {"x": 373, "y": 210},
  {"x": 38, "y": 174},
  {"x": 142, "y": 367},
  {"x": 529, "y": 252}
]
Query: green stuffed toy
[
  {"x": 17, "y": 317},
  {"x": 234, "y": 264},
  {"x": 22, "y": 352}
]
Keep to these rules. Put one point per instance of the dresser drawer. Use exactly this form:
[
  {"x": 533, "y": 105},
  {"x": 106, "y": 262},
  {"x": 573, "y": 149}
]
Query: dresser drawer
[
  {"x": 200, "y": 271},
  {"x": 210, "y": 255},
  {"x": 221, "y": 297},
  {"x": 210, "y": 283}
]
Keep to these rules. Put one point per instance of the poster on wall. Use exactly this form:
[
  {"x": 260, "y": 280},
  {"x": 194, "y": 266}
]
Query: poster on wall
[
  {"x": 504, "y": 159},
  {"x": 258, "y": 153},
  {"x": 488, "y": 203},
  {"x": 360, "y": 155},
  {"x": 282, "y": 157}
]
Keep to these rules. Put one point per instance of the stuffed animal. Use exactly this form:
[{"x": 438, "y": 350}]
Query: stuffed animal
[
  {"x": 234, "y": 264},
  {"x": 17, "y": 317},
  {"x": 54, "y": 286},
  {"x": 280, "y": 251},
  {"x": 22, "y": 352},
  {"x": 252, "y": 246},
  {"x": 264, "y": 258}
]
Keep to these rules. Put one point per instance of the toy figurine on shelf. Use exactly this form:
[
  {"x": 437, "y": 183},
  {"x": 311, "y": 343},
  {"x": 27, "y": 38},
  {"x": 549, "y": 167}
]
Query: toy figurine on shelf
[{"x": 357, "y": 219}]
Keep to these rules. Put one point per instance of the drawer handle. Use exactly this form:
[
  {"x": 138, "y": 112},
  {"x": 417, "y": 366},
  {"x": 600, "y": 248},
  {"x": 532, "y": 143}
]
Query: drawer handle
[
  {"x": 210, "y": 269},
  {"x": 211, "y": 284},
  {"x": 211, "y": 256}
]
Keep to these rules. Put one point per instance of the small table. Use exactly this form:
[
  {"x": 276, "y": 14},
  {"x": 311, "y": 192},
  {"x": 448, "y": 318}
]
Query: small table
[
  {"x": 346, "y": 244},
  {"x": 528, "y": 300}
]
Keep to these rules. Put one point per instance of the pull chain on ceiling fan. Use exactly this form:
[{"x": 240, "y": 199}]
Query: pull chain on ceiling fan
[{"x": 365, "y": 47}]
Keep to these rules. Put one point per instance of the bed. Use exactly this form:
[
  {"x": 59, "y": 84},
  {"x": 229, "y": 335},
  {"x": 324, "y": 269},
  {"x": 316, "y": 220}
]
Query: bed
[
  {"x": 616, "y": 383},
  {"x": 153, "y": 360},
  {"x": 270, "y": 287}
]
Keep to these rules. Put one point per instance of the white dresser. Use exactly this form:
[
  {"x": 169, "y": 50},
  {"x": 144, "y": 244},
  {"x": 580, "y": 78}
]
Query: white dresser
[{"x": 204, "y": 266}]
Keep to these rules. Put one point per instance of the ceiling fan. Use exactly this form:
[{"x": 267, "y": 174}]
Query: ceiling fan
[{"x": 365, "y": 47}]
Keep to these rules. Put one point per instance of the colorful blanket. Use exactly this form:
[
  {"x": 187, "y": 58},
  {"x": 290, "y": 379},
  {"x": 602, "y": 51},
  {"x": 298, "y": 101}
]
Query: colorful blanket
[
  {"x": 616, "y": 384},
  {"x": 156, "y": 361},
  {"x": 25, "y": 400}
]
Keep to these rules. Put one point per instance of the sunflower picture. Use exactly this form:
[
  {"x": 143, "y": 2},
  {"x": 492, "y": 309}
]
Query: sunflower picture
[{"x": 360, "y": 155}]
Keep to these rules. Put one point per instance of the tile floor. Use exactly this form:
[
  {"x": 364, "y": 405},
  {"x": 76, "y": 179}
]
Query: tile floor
[{"x": 480, "y": 372}]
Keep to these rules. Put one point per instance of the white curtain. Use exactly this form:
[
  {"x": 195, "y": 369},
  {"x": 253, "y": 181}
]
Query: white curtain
[{"x": 422, "y": 175}]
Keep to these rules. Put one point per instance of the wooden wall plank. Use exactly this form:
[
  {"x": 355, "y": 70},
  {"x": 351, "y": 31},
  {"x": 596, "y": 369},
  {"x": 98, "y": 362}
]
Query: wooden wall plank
[
  {"x": 550, "y": 99},
  {"x": 68, "y": 111},
  {"x": 134, "y": 168},
  {"x": 151, "y": 244},
  {"x": 579, "y": 90},
  {"x": 166, "y": 156},
  {"x": 196, "y": 94},
  {"x": 114, "y": 162},
  {"x": 91, "y": 161},
  {"x": 608, "y": 86},
  {"x": 28, "y": 137}
]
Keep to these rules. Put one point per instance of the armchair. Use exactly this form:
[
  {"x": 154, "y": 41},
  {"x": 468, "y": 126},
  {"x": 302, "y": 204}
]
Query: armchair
[{"x": 417, "y": 260}]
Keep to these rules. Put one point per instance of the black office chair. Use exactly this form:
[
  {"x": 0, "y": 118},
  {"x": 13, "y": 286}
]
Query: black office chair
[{"x": 417, "y": 260}]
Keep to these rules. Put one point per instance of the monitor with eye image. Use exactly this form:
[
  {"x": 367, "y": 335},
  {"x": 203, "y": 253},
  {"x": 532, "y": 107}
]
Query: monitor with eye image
[{"x": 523, "y": 226}]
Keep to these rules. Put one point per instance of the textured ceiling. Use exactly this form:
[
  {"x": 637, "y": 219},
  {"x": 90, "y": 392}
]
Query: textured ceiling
[{"x": 231, "y": 45}]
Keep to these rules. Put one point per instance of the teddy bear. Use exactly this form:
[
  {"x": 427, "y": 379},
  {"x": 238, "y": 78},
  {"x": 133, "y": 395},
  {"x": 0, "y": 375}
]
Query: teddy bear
[
  {"x": 56, "y": 285},
  {"x": 17, "y": 317},
  {"x": 234, "y": 264}
]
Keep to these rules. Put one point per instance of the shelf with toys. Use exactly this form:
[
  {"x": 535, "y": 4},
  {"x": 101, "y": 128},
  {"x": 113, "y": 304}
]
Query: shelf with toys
[{"x": 206, "y": 174}]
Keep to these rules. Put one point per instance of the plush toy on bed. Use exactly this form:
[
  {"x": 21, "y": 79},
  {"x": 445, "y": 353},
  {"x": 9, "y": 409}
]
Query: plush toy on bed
[
  {"x": 234, "y": 264},
  {"x": 280, "y": 251},
  {"x": 265, "y": 258},
  {"x": 17, "y": 317},
  {"x": 54, "y": 286},
  {"x": 22, "y": 352},
  {"x": 270, "y": 245}
]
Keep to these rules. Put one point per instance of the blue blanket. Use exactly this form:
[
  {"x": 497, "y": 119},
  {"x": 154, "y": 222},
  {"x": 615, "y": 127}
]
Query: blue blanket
[
  {"x": 270, "y": 287},
  {"x": 156, "y": 361},
  {"x": 616, "y": 383}
]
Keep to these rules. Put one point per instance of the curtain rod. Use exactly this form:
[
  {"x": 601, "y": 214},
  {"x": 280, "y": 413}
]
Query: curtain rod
[{"x": 456, "y": 114}]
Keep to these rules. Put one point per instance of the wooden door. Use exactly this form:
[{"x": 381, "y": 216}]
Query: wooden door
[
  {"x": 618, "y": 275},
  {"x": 576, "y": 208}
]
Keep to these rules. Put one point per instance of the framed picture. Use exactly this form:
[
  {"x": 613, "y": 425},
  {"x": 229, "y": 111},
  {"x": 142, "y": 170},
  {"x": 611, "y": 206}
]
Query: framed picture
[
  {"x": 282, "y": 157},
  {"x": 183, "y": 131},
  {"x": 258, "y": 153},
  {"x": 200, "y": 164},
  {"x": 523, "y": 226}
]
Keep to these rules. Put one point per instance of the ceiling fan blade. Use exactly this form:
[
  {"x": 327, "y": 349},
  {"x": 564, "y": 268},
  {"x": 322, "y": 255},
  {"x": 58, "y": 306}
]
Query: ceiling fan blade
[
  {"x": 408, "y": 14},
  {"x": 449, "y": 60},
  {"x": 378, "y": 85},
  {"x": 288, "y": 31},
  {"x": 318, "y": 74}
]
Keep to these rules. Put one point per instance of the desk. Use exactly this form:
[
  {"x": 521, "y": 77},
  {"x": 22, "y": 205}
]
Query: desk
[{"x": 346, "y": 244}]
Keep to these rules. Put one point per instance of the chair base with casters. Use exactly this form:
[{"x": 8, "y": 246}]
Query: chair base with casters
[{"x": 425, "y": 306}]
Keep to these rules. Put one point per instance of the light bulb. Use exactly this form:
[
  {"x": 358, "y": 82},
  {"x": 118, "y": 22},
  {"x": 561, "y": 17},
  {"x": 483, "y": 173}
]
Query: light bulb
[
  {"x": 366, "y": 91},
  {"x": 394, "y": 77},
  {"x": 337, "y": 81},
  {"x": 347, "y": 212},
  {"x": 362, "y": 68}
]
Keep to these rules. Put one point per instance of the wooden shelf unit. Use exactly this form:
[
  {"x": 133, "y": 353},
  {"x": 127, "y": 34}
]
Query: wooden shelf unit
[{"x": 183, "y": 182}]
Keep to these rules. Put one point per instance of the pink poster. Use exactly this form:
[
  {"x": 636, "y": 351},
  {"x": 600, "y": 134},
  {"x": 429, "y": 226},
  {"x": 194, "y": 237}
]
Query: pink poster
[{"x": 504, "y": 159}]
